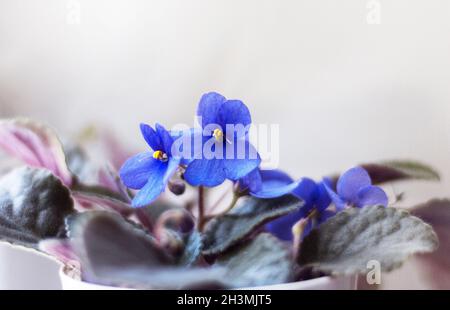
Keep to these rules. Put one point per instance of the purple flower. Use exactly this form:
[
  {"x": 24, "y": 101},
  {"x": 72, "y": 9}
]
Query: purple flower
[
  {"x": 225, "y": 134},
  {"x": 354, "y": 188},
  {"x": 150, "y": 171}
]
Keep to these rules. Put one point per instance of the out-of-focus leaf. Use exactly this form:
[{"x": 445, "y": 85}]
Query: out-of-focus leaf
[
  {"x": 229, "y": 229},
  {"x": 101, "y": 197},
  {"x": 435, "y": 266},
  {"x": 348, "y": 241},
  {"x": 262, "y": 261},
  {"x": 115, "y": 252},
  {"x": 395, "y": 170},
  {"x": 60, "y": 249},
  {"x": 33, "y": 206},
  {"x": 36, "y": 145}
]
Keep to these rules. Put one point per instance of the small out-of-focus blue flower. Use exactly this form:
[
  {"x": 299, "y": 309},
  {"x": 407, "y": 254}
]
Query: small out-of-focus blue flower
[
  {"x": 267, "y": 183},
  {"x": 315, "y": 196},
  {"x": 150, "y": 171},
  {"x": 217, "y": 115},
  {"x": 354, "y": 188}
]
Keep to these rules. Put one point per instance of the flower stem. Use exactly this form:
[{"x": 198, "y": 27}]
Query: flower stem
[
  {"x": 201, "y": 208},
  {"x": 298, "y": 229},
  {"x": 232, "y": 204}
]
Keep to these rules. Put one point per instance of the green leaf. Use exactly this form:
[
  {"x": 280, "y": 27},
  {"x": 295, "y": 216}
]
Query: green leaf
[
  {"x": 263, "y": 261},
  {"x": 229, "y": 229},
  {"x": 395, "y": 170},
  {"x": 348, "y": 241},
  {"x": 33, "y": 206}
]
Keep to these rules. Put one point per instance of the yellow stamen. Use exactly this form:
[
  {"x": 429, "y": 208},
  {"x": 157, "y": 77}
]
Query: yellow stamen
[
  {"x": 159, "y": 155},
  {"x": 218, "y": 134}
]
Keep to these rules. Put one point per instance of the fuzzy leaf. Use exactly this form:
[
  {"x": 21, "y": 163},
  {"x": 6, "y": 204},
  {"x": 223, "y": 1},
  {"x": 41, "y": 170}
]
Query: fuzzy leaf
[
  {"x": 262, "y": 261},
  {"x": 400, "y": 170},
  {"x": 229, "y": 229},
  {"x": 36, "y": 145},
  {"x": 192, "y": 249},
  {"x": 348, "y": 241},
  {"x": 113, "y": 251},
  {"x": 33, "y": 206}
]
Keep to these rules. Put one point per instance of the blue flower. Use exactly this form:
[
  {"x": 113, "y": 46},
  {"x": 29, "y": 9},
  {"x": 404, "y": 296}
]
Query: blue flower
[
  {"x": 315, "y": 196},
  {"x": 354, "y": 188},
  {"x": 232, "y": 156},
  {"x": 267, "y": 183},
  {"x": 150, "y": 172}
]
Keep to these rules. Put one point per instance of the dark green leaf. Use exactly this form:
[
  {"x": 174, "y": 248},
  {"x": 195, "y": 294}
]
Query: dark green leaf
[
  {"x": 229, "y": 229},
  {"x": 33, "y": 206},
  {"x": 348, "y": 241},
  {"x": 262, "y": 261}
]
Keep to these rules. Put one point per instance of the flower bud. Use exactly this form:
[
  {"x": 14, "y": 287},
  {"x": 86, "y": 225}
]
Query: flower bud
[{"x": 177, "y": 187}]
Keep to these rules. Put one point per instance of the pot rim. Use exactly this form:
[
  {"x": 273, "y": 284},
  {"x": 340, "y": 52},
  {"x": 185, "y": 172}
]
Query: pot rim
[{"x": 325, "y": 281}]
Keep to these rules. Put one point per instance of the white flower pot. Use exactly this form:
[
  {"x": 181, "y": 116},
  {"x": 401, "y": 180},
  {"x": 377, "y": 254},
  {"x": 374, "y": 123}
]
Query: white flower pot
[
  {"x": 25, "y": 269},
  {"x": 71, "y": 282}
]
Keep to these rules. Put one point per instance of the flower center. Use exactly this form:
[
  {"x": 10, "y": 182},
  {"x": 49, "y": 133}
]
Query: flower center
[
  {"x": 218, "y": 134},
  {"x": 160, "y": 155}
]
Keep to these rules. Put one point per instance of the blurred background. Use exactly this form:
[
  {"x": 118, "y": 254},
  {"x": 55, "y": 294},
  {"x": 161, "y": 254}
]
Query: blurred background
[{"x": 347, "y": 81}]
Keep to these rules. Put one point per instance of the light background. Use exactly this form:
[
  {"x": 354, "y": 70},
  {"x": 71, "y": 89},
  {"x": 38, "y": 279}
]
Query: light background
[{"x": 343, "y": 90}]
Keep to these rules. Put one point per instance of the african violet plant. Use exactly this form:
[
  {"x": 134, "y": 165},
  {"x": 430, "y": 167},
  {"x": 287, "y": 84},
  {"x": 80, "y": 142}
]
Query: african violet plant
[{"x": 122, "y": 228}]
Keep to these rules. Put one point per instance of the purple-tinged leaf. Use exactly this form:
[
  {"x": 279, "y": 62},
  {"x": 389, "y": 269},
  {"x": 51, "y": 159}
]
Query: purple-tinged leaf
[
  {"x": 36, "y": 145},
  {"x": 96, "y": 196},
  {"x": 60, "y": 249},
  {"x": 33, "y": 206}
]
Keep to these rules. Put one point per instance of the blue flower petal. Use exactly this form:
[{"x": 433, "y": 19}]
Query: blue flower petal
[
  {"x": 251, "y": 181},
  {"x": 276, "y": 191},
  {"x": 151, "y": 137},
  {"x": 165, "y": 138},
  {"x": 371, "y": 196},
  {"x": 322, "y": 199},
  {"x": 153, "y": 188},
  {"x": 208, "y": 108},
  {"x": 136, "y": 171},
  {"x": 276, "y": 176},
  {"x": 337, "y": 201},
  {"x": 351, "y": 182},
  {"x": 234, "y": 112},
  {"x": 282, "y": 227},
  {"x": 207, "y": 172},
  {"x": 172, "y": 166},
  {"x": 306, "y": 190},
  {"x": 239, "y": 165},
  {"x": 325, "y": 215}
]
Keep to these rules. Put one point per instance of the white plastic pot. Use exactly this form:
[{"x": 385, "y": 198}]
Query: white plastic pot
[
  {"x": 70, "y": 282},
  {"x": 25, "y": 269}
]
